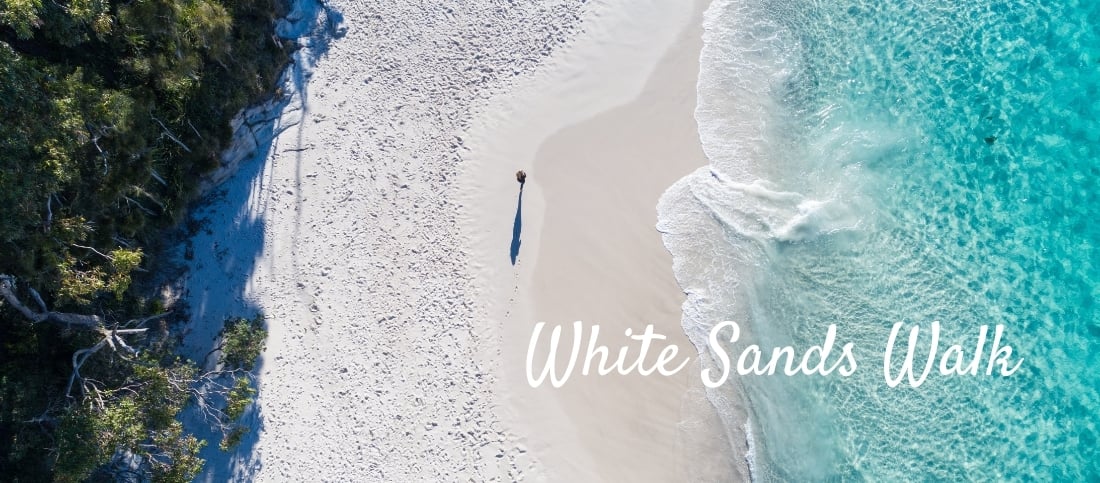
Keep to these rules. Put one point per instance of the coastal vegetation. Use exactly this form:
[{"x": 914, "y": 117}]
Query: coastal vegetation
[{"x": 110, "y": 114}]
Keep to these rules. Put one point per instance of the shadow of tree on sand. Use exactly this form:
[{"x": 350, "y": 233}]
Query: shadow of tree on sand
[{"x": 231, "y": 238}]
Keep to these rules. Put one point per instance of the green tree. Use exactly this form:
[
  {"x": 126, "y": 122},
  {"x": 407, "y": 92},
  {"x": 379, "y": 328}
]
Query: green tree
[
  {"x": 110, "y": 112},
  {"x": 243, "y": 342},
  {"x": 21, "y": 15}
]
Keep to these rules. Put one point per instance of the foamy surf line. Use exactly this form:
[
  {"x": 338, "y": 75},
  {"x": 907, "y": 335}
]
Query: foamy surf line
[
  {"x": 863, "y": 175},
  {"x": 617, "y": 101},
  {"x": 744, "y": 59},
  {"x": 730, "y": 129}
]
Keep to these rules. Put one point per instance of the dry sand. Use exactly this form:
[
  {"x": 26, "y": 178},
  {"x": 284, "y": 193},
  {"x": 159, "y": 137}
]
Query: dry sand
[
  {"x": 602, "y": 132},
  {"x": 374, "y": 230},
  {"x": 345, "y": 234}
]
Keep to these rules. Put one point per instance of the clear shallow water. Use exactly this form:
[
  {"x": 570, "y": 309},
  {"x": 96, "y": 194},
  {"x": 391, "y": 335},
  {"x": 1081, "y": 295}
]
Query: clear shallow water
[{"x": 902, "y": 161}]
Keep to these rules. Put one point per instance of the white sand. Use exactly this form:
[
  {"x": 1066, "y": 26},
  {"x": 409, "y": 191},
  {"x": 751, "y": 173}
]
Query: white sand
[
  {"x": 397, "y": 322},
  {"x": 602, "y": 131}
]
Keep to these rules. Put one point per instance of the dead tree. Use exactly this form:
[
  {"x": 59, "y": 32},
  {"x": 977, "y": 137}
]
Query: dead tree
[{"x": 111, "y": 336}]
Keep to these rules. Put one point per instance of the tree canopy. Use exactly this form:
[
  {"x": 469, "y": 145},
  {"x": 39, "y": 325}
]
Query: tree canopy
[{"x": 110, "y": 113}]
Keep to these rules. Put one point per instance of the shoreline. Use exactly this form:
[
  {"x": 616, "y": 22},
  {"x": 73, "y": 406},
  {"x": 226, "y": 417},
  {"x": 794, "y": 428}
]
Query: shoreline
[
  {"x": 374, "y": 236},
  {"x": 600, "y": 148},
  {"x": 393, "y": 343}
]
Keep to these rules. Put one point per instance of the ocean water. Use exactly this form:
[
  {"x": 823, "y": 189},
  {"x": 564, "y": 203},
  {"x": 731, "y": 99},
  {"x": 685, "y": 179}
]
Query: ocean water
[{"x": 880, "y": 162}]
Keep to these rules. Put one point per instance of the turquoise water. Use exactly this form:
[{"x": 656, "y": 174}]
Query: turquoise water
[{"x": 882, "y": 162}]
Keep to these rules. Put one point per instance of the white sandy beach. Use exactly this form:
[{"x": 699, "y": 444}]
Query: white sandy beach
[
  {"x": 375, "y": 236},
  {"x": 602, "y": 132}
]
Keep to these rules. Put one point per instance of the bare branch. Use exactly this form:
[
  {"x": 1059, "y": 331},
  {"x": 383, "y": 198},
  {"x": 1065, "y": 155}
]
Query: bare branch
[
  {"x": 170, "y": 135},
  {"x": 6, "y": 283},
  {"x": 97, "y": 252},
  {"x": 38, "y": 298},
  {"x": 79, "y": 357},
  {"x": 75, "y": 319},
  {"x": 49, "y": 212},
  {"x": 7, "y": 291},
  {"x": 43, "y": 419},
  {"x": 139, "y": 323},
  {"x": 157, "y": 177},
  {"x": 131, "y": 200},
  {"x": 196, "y": 131},
  {"x": 121, "y": 343},
  {"x": 94, "y": 136},
  {"x": 95, "y": 392},
  {"x": 140, "y": 191},
  {"x": 110, "y": 338}
]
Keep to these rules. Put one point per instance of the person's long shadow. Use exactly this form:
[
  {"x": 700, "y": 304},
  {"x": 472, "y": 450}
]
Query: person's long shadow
[{"x": 517, "y": 227}]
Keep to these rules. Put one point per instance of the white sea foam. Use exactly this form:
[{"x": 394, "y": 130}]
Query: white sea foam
[
  {"x": 750, "y": 455},
  {"x": 765, "y": 187},
  {"x": 875, "y": 162}
]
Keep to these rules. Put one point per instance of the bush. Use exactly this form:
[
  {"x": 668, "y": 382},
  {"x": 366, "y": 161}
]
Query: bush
[{"x": 244, "y": 340}]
